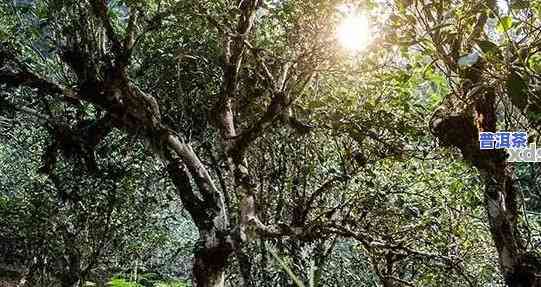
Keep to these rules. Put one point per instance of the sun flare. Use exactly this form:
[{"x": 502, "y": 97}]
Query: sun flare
[{"x": 353, "y": 32}]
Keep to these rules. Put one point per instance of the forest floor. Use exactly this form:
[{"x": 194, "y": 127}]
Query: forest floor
[{"x": 9, "y": 276}]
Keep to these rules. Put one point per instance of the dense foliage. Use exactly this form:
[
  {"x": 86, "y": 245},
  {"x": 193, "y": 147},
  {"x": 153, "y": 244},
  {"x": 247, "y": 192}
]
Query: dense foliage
[{"x": 238, "y": 143}]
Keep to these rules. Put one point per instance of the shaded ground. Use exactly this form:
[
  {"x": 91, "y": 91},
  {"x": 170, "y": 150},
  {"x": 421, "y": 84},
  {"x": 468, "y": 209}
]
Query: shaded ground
[{"x": 9, "y": 276}]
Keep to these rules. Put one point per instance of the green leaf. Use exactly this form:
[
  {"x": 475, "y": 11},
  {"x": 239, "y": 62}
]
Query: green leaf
[
  {"x": 534, "y": 62},
  {"x": 489, "y": 48},
  {"x": 286, "y": 268},
  {"x": 505, "y": 24},
  {"x": 517, "y": 90}
]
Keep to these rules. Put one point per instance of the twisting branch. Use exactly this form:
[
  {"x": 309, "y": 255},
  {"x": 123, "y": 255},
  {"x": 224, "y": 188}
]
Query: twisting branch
[
  {"x": 234, "y": 48},
  {"x": 129, "y": 40},
  {"x": 43, "y": 118},
  {"x": 101, "y": 10},
  {"x": 212, "y": 198},
  {"x": 486, "y": 9},
  {"x": 25, "y": 78},
  {"x": 14, "y": 74},
  {"x": 317, "y": 193}
]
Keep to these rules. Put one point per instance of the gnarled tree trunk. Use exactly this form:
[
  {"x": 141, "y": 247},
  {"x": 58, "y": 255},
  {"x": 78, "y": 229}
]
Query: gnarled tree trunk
[
  {"x": 460, "y": 128},
  {"x": 208, "y": 212},
  {"x": 520, "y": 268},
  {"x": 210, "y": 260}
]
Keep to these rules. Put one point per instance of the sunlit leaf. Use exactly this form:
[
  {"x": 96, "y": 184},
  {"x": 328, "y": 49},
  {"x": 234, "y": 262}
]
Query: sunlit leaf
[
  {"x": 505, "y": 24},
  {"x": 489, "y": 48},
  {"x": 534, "y": 62},
  {"x": 286, "y": 268}
]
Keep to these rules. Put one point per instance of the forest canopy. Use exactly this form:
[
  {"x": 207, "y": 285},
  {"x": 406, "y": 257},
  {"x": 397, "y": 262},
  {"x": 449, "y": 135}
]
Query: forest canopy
[{"x": 214, "y": 143}]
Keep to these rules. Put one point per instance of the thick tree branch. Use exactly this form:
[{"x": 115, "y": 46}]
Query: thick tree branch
[
  {"x": 12, "y": 79},
  {"x": 212, "y": 198},
  {"x": 101, "y": 10}
]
